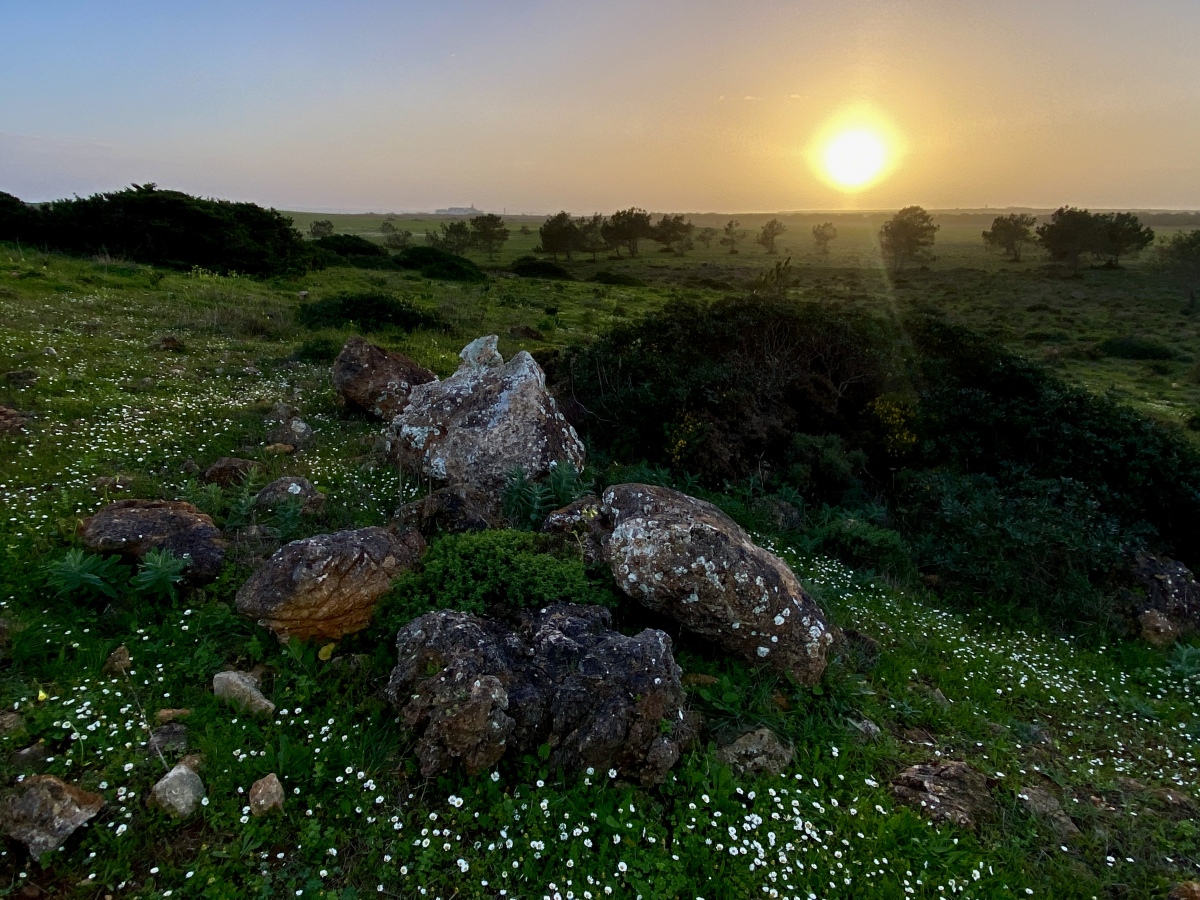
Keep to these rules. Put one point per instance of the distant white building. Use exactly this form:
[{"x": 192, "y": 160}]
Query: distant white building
[{"x": 458, "y": 211}]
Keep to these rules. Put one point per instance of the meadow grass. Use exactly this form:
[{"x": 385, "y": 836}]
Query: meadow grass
[{"x": 1108, "y": 730}]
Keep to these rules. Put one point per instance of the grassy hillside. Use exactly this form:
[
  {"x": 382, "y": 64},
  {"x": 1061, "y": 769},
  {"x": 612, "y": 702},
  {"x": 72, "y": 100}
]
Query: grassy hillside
[{"x": 1109, "y": 730}]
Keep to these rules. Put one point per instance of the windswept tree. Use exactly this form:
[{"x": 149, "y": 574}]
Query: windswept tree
[
  {"x": 1011, "y": 233},
  {"x": 730, "y": 235},
  {"x": 397, "y": 238},
  {"x": 705, "y": 236},
  {"x": 453, "y": 237},
  {"x": 488, "y": 233},
  {"x": 320, "y": 228},
  {"x": 559, "y": 234},
  {"x": 1120, "y": 234},
  {"x": 907, "y": 237},
  {"x": 768, "y": 234},
  {"x": 823, "y": 236},
  {"x": 1068, "y": 235},
  {"x": 591, "y": 235},
  {"x": 1180, "y": 256},
  {"x": 673, "y": 233},
  {"x": 627, "y": 227}
]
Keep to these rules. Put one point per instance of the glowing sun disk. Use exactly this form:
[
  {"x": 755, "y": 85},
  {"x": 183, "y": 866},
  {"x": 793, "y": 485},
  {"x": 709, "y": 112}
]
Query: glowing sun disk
[{"x": 853, "y": 159}]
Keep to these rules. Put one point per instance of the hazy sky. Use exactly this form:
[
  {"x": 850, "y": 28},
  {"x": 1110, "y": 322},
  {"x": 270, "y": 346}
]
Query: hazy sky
[{"x": 536, "y": 106}]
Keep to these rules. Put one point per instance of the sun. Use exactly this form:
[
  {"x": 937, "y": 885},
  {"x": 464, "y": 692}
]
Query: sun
[{"x": 855, "y": 158}]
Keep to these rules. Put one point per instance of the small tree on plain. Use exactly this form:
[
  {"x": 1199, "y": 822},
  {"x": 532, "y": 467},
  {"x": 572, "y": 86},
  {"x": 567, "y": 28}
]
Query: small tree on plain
[
  {"x": 321, "y": 228},
  {"x": 1180, "y": 256},
  {"x": 823, "y": 236},
  {"x": 559, "y": 234},
  {"x": 674, "y": 233},
  {"x": 1011, "y": 233},
  {"x": 628, "y": 227},
  {"x": 704, "y": 237},
  {"x": 907, "y": 237},
  {"x": 488, "y": 233},
  {"x": 769, "y": 233},
  {"x": 1120, "y": 234},
  {"x": 453, "y": 237},
  {"x": 730, "y": 235},
  {"x": 1068, "y": 235},
  {"x": 397, "y": 238},
  {"x": 591, "y": 235}
]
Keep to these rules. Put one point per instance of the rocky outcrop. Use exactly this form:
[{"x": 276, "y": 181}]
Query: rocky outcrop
[
  {"x": 945, "y": 791},
  {"x": 375, "y": 380},
  {"x": 475, "y": 688},
  {"x": 290, "y": 489},
  {"x": 759, "y": 752},
  {"x": 11, "y": 421},
  {"x": 1044, "y": 806},
  {"x": 133, "y": 528},
  {"x": 1166, "y": 587},
  {"x": 453, "y": 509},
  {"x": 242, "y": 690},
  {"x": 230, "y": 470},
  {"x": 325, "y": 587},
  {"x": 485, "y": 421},
  {"x": 43, "y": 812},
  {"x": 685, "y": 559}
]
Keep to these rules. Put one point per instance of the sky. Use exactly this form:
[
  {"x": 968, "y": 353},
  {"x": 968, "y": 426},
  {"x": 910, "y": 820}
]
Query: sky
[{"x": 671, "y": 105}]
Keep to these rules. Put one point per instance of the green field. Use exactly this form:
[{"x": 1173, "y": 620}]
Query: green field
[{"x": 1110, "y": 730}]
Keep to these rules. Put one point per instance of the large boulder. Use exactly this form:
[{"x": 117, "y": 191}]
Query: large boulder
[
  {"x": 324, "y": 587},
  {"x": 44, "y": 811},
  {"x": 685, "y": 559},
  {"x": 375, "y": 380},
  {"x": 486, "y": 420},
  {"x": 473, "y": 688},
  {"x": 133, "y": 528}
]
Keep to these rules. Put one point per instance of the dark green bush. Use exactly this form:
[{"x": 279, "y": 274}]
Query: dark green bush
[
  {"x": 983, "y": 409},
  {"x": 532, "y": 267},
  {"x": 494, "y": 571},
  {"x": 351, "y": 245},
  {"x": 1041, "y": 544},
  {"x": 619, "y": 279},
  {"x": 175, "y": 230},
  {"x": 438, "y": 264},
  {"x": 318, "y": 350},
  {"x": 860, "y": 543},
  {"x": 721, "y": 389},
  {"x": 1134, "y": 347},
  {"x": 368, "y": 310}
]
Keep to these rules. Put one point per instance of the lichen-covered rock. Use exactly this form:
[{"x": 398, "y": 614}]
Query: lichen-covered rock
[
  {"x": 1167, "y": 587},
  {"x": 169, "y": 738},
  {"x": 484, "y": 421},
  {"x": 133, "y": 528},
  {"x": 945, "y": 791},
  {"x": 43, "y": 812},
  {"x": 759, "y": 752},
  {"x": 326, "y": 586},
  {"x": 375, "y": 380},
  {"x": 295, "y": 432},
  {"x": 230, "y": 470},
  {"x": 685, "y": 559},
  {"x": 241, "y": 689},
  {"x": 178, "y": 793},
  {"x": 473, "y": 688},
  {"x": 11, "y": 421},
  {"x": 266, "y": 796},
  {"x": 290, "y": 489},
  {"x": 1044, "y": 806},
  {"x": 452, "y": 509},
  {"x": 1157, "y": 630}
]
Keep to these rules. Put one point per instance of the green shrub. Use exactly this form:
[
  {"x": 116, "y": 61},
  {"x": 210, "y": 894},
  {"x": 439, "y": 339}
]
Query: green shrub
[
  {"x": 526, "y": 502},
  {"x": 861, "y": 544},
  {"x": 1040, "y": 544},
  {"x": 369, "y": 310},
  {"x": 159, "y": 573},
  {"x": 493, "y": 571},
  {"x": 86, "y": 575},
  {"x": 439, "y": 265},
  {"x": 1134, "y": 347},
  {"x": 983, "y": 409},
  {"x": 619, "y": 279},
  {"x": 351, "y": 245},
  {"x": 318, "y": 350},
  {"x": 532, "y": 267}
]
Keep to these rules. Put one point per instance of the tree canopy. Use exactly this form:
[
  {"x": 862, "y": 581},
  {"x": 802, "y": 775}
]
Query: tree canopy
[
  {"x": 1011, "y": 233},
  {"x": 626, "y": 227},
  {"x": 770, "y": 232},
  {"x": 907, "y": 237}
]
